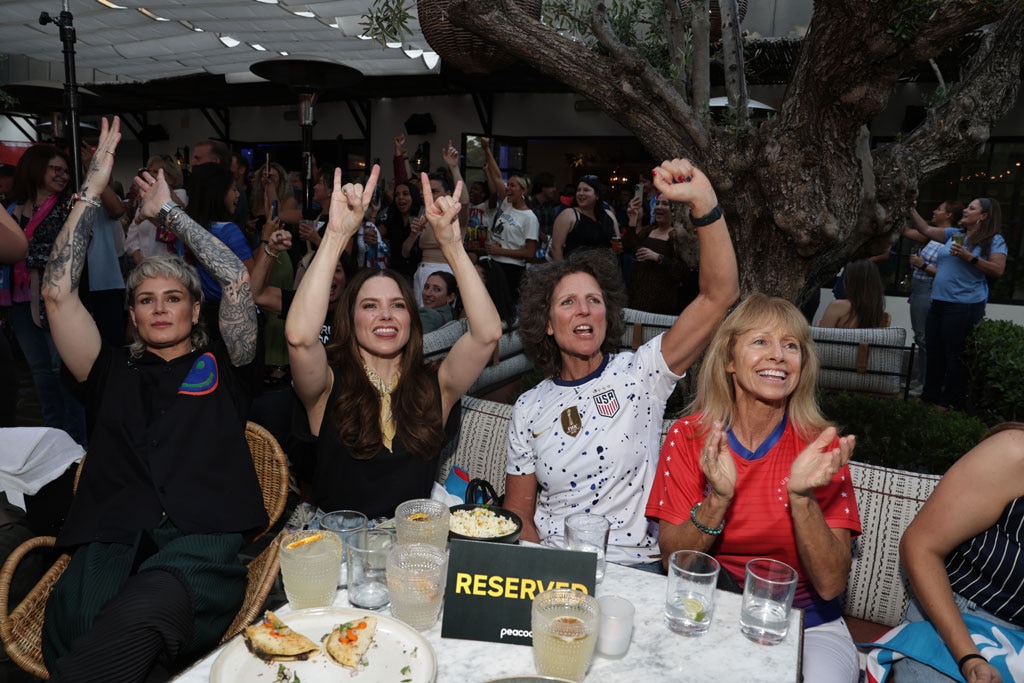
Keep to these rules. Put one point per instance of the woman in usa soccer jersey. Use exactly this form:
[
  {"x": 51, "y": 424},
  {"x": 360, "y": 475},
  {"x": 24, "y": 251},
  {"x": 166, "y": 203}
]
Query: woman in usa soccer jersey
[
  {"x": 757, "y": 471},
  {"x": 586, "y": 438}
]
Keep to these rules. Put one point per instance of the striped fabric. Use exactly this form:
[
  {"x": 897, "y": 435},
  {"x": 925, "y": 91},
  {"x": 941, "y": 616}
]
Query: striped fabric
[
  {"x": 987, "y": 568},
  {"x": 888, "y": 500}
]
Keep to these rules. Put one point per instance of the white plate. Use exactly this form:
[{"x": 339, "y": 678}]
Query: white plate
[{"x": 395, "y": 646}]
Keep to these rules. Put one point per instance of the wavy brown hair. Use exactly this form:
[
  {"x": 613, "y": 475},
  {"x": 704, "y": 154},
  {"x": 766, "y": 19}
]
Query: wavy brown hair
[
  {"x": 716, "y": 393},
  {"x": 988, "y": 227},
  {"x": 414, "y": 402},
  {"x": 535, "y": 292}
]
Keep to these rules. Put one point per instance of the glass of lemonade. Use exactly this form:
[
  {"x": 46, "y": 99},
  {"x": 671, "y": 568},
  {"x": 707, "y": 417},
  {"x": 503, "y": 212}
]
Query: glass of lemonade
[
  {"x": 417, "y": 574},
  {"x": 589, "y": 534},
  {"x": 423, "y": 520},
  {"x": 690, "y": 597},
  {"x": 309, "y": 567},
  {"x": 564, "y": 624},
  {"x": 767, "y": 599}
]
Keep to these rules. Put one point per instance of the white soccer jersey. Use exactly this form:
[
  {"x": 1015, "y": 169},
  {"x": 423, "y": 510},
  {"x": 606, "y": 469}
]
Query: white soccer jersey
[{"x": 593, "y": 445}]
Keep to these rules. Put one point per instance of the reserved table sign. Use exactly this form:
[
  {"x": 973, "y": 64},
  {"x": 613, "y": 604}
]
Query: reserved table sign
[{"x": 491, "y": 587}]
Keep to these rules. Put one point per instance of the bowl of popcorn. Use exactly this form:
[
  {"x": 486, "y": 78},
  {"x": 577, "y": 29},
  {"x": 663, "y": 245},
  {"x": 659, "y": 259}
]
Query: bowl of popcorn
[{"x": 478, "y": 522}]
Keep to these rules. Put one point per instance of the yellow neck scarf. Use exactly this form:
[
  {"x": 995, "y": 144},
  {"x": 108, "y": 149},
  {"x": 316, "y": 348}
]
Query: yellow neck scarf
[{"x": 387, "y": 418}]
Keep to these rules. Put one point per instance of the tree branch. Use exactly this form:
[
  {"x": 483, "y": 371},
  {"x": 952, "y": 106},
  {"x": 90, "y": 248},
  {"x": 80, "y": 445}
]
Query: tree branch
[
  {"x": 700, "y": 74},
  {"x": 678, "y": 107},
  {"x": 732, "y": 55}
]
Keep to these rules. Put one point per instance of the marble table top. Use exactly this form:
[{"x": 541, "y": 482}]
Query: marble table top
[{"x": 655, "y": 654}]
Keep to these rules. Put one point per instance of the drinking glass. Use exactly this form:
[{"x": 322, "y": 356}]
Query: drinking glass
[
  {"x": 309, "y": 567},
  {"x": 367, "y": 567},
  {"x": 417, "y": 573},
  {"x": 958, "y": 238},
  {"x": 767, "y": 599},
  {"x": 423, "y": 520},
  {"x": 616, "y": 625},
  {"x": 690, "y": 599},
  {"x": 588, "y": 533},
  {"x": 344, "y": 523},
  {"x": 565, "y": 624}
]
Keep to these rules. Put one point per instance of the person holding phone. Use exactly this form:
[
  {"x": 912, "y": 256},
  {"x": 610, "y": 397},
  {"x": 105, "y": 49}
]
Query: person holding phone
[{"x": 659, "y": 279}]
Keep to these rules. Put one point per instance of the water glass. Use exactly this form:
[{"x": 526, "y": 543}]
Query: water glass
[
  {"x": 309, "y": 568},
  {"x": 565, "y": 624},
  {"x": 588, "y": 533},
  {"x": 417, "y": 573},
  {"x": 690, "y": 599},
  {"x": 367, "y": 567},
  {"x": 423, "y": 520},
  {"x": 767, "y": 599},
  {"x": 616, "y": 626},
  {"x": 344, "y": 523}
]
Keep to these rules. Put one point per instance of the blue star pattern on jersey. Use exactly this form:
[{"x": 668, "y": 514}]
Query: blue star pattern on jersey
[{"x": 202, "y": 378}]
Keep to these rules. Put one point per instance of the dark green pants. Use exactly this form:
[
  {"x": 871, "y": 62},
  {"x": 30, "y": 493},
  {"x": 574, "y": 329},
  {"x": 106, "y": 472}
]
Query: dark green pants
[{"x": 120, "y": 609}]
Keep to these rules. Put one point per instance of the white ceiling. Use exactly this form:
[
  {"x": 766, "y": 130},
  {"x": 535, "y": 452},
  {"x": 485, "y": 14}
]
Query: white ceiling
[{"x": 129, "y": 44}]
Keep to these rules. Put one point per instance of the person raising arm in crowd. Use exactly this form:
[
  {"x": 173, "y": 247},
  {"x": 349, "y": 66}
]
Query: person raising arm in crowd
[
  {"x": 586, "y": 438},
  {"x": 372, "y": 374},
  {"x": 170, "y": 492}
]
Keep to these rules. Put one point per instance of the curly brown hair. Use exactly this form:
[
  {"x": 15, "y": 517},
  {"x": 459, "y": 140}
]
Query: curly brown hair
[
  {"x": 414, "y": 403},
  {"x": 535, "y": 292}
]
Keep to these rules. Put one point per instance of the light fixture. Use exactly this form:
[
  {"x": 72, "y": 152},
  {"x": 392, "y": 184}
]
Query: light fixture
[
  {"x": 149, "y": 14},
  {"x": 190, "y": 26},
  {"x": 108, "y": 3},
  {"x": 228, "y": 40},
  {"x": 306, "y": 14},
  {"x": 283, "y": 53},
  {"x": 257, "y": 47},
  {"x": 431, "y": 59},
  {"x": 394, "y": 45},
  {"x": 412, "y": 52},
  {"x": 363, "y": 36},
  {"x": 268, "y": 2}
]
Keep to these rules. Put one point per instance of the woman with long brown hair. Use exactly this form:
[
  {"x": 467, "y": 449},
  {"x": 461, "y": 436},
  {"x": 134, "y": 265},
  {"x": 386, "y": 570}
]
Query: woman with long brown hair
[{"x": 372, "y": 372}]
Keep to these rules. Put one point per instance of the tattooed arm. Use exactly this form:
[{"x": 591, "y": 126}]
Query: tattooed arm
[
  {"x": 237, "y": 320},
  {"x": 73, "y": 329}
]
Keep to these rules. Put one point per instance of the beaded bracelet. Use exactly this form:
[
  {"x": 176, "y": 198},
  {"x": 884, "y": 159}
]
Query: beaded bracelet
[
  {"x": 271, "y": 254},
  {"x": 965, "y": 659},
  {"x": 82, "y": 198},
  {"x": 700, "y": 527}
]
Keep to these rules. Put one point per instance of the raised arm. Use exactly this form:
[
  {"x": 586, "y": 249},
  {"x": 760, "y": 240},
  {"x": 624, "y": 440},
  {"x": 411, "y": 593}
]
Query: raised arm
[
  {"x": 927, "y": 232},
  {"x": 680, "y": 181},
  {"x": 954, "y": 513},
  {"x": 310, "y": 370},
  {"x": 493, "y": 173},
  {"x": 451, "y": 160},
  {"x": 471, "y": 353},
  {"x": 273, "y": 242},
  {"x": 73, "y": 329},
  {"x": 237, "y": 320}
]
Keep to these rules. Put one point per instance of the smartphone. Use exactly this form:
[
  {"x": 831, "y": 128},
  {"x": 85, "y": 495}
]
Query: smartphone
[
  {"x": 273, "y": 209},
  {"x": 639, "y": 193}
]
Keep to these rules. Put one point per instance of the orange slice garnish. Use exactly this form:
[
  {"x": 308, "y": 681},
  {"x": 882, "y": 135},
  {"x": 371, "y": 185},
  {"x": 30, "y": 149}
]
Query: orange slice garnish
[
  {"x": 419, "y": 517},
  {"x": 304, "y": 541}
]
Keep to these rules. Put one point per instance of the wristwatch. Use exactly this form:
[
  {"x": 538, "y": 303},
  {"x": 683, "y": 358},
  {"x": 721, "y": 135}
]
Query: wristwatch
[
  {"x": 165, "y": 211},
  {"x": 708, "y": 218},
  {"x": 974, "y": 261}
]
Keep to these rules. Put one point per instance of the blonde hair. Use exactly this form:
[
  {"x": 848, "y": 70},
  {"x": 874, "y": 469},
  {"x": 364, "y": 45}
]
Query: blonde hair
[
  {"x": 172, "y": 172},
  {"x": 716, "y": 393}
]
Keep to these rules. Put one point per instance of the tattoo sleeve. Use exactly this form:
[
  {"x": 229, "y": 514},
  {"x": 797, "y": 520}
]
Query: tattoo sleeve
[
  {"x": 67, "y": 258},
  {"x": 237, "y": 309}
]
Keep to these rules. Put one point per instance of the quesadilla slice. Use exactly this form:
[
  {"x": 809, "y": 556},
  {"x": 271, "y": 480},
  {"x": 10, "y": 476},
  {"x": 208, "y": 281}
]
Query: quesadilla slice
[
  {"x": 348, "y": 642},
  {"x": 273, "y": 641}
]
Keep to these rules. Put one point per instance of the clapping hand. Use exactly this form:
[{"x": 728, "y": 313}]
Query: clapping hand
[
  {"x": 348, "y": 204},
  {"x": 717, "y": 464},
  {"x": 443, "y": 214},
  {"x": 818, "y": 463}
]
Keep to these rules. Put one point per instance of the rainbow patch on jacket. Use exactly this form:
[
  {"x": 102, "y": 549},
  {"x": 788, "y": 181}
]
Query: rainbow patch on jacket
[{"x": 202, "y": 378}]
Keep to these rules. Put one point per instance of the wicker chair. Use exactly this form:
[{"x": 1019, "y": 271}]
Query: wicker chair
[{"x": 21, "y": 630}]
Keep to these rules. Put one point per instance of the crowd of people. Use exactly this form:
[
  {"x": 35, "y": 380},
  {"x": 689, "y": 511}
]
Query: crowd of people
[{"x": 232, "y": 288}]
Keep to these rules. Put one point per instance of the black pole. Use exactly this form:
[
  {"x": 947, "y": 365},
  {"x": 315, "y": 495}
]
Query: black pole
[
  {"x": 307, "y": 120},
  {"x": 72, "y": 98}
]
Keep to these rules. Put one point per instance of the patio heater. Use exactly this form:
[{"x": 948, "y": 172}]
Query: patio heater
[{"x": 308, "y": 77}]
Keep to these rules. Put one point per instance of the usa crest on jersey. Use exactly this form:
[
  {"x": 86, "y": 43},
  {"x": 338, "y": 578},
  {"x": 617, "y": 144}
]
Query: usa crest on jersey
[{"x": 606, "y": 403}]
